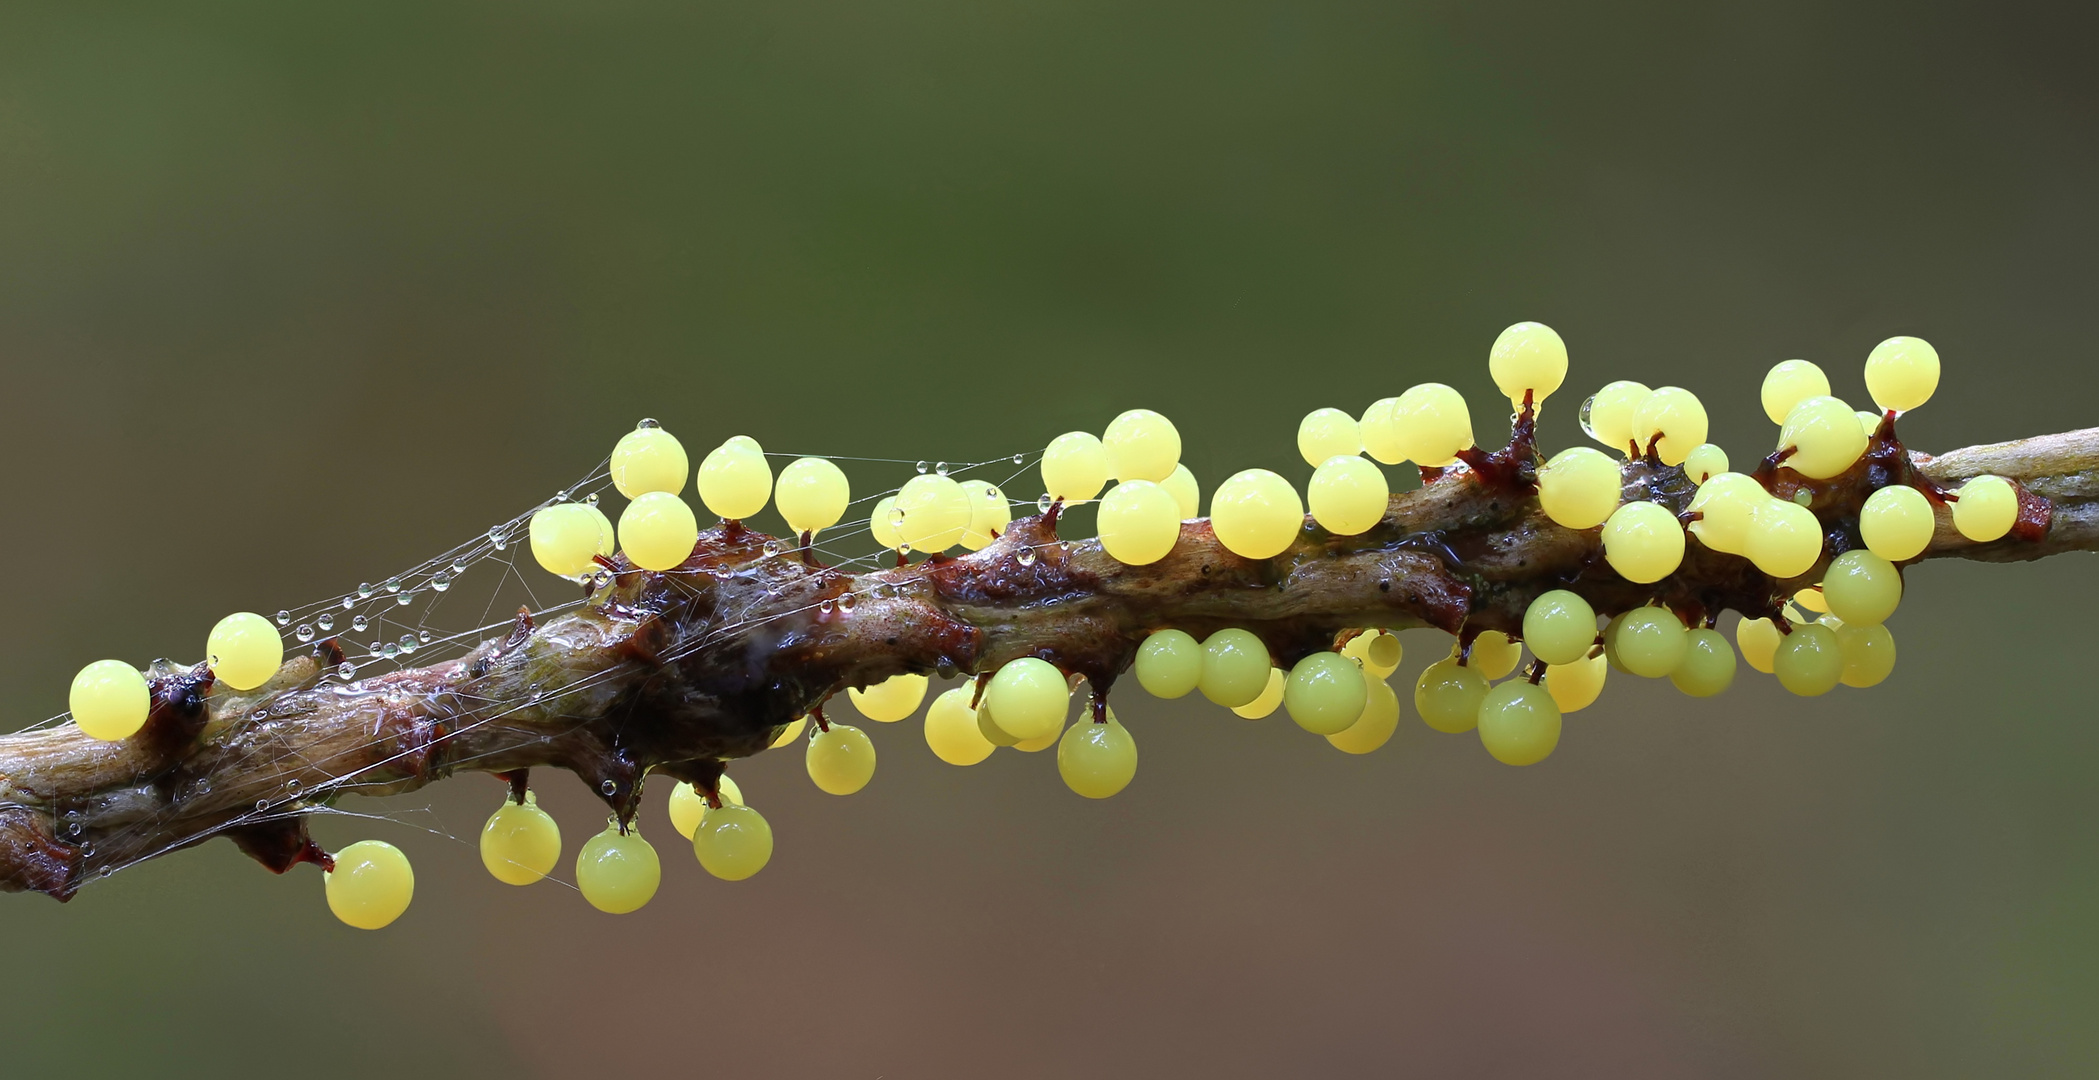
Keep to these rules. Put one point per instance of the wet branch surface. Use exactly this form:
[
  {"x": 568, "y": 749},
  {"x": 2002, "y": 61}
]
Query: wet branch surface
[{"x": 682, "y": 671}]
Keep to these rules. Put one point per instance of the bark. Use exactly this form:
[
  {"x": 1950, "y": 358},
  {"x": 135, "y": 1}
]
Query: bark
[{"x": 679, "y": 672}]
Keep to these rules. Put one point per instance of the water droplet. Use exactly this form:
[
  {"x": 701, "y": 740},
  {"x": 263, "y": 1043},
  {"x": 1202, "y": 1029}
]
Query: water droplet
[
  {"x": 262, "y": 804},
  {"x": 346, "y": 670},
  {"x": 1042, "y": 504},
  {"x": 896, "y": 518},
  {"x": 1588, "y": 404},
  {"x": 359, "y": 623},
  {"x": 1026, "y": 557},
  {"x": 826, "y": 607},
  {"x": 495, "y": 537},
  {"x": 1019, "y": 459},
  {"x": 409, "y": 644},
  {"x": 994, "y": 494},
  {"x": 73, "y": 829},
  {"x": 262, "y": 714},
  {"x": 608, "y": 787},
  {"x": 404, "y": 599},
  {"x": 1803, "y": 496},
  {"x": 903, "y": 550},
  {"x": 846, "y": 602},
  {"x": 940, "y": 467},
  {"x": 364, "y": 590},
  {"x": 105, "y": 871},
  {"x": 459, "y": 566},
  {"x": 393, "y": 584},
  {"x": 601, "y": 579},
  {"x": 349, "y": 602},
  {"x": 423, "y": 637},
  {"x": 373, "y": 648},
  {"x": 303, "y": 633},
  {"x": 390, "y": 651},
  {"x": 441, "y": 582},
  {"x": 591, "y": 499},
  {"x": 647, "y": 422},
  {"x": 922, "y": 467},
  {"x": 284, "y": 618},
  {"x": 772, "y": 547},
  {"x": 327, "y": 620},
  {"x": 292, "y": 783}
]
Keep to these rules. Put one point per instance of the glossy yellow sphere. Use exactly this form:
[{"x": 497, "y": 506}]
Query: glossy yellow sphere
[
  {"x": 1430, "y": 424},
  {"x": 1097, "y": 760},
  {"x": 521, "y": 843},
  {"x": 1576, "y": 686},
  {"x": 812, "y": 494},
  {"x": 987, "y": 726},
  {"x": 951, "y": 729},
  {"x": 1348, "y": 495},
  {"x": 1643, "y": 542},
  {"x": 882, "y": 524},
  {"x": 1075, "y": 467},
  {"x": 1809, "y": 662},
  {"x": 1256, "y": 514},
  {"x": 1139, "y": 522},
  {"x": 688, "y": 805},
  {"x": 1379, "y": 429},
  {"x": 1270, "y": 698},
  {"x": 648, "y": 459},
  {"x": 1519, "y": 723},
  {"x": 1902, "y": 373},
  {"x": 890, "y": 700},
  {"x": 1708, "y": 666},
  {"x": 1785, "y": 538},
  {"x": 565, "y": 538},
  {"x": 1448, "y": 696},
  {"x": 1758, "y": 639},
  {"x": 789, "y": 733},
  {"x": 1169, "y": 664},
  {"x": 734, "y": 480},
  {"x": 733, "y": 843},
  {"x": 1649, "y": 642},
  {"x": 1560, "y": 627},
  {"x": 1579, "y": 487},
  {"x": 657, "y": 531},
  {"x": 1236, "y": 667},
  {"x": 989, "y": 514},
  {"x": 1825, "y": 438},
  {"x": 1673, "y": 420},
  {"x": 110, "y": 700},
  {"x": 1528, "y": 356},
  {"x": 1811, "y": 600},
  {"x": 934, "y": 511},
  {"x": 841, "y": 761},
  {"x": 618, "y": 874},
  {"x": 1378, "y": 650},
  {"x": 244, "y": 650},
  {"x": 1029, "y": 697},
  {"x": 1608, "y": 415},
  {"x": 1987, "y": 508},
  {"x": 1325, "y": 693},
  {"x": 1897, "y": 523},
  {"x": 1726, "y": 505},
  {"x": 1789, "y": 383},
  {"x": 1189, "y": 497},
  {"x": 1494, "y": 654},
  {"x": 1868, "y": 652},
  {"x": 1326, "y": 433},
  {"x": 1374, "y": 725},
  {"x": 1705, "y": 462},
  {"x": 1141, "y": 445},
  {"x": 1869, "y": 423},
  {"x": 371, "y": 884},
  {"x": 1861, "y": 587}
]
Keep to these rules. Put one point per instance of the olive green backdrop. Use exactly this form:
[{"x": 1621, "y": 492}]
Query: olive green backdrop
[{"x": 293, "y": 296}]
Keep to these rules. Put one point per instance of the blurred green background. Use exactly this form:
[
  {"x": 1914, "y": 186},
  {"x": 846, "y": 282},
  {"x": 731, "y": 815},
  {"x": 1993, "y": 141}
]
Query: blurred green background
[{"x": 295, "y": 296}]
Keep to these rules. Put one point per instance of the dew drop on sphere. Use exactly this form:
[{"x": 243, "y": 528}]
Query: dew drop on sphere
[
  {"x": 284, "y": 618},
  {"x": 326, "y": 621},
  {"x": 303, "y": 633},
  {"x": 646, "y": 423},
  {"x": 359, "y": 623}
]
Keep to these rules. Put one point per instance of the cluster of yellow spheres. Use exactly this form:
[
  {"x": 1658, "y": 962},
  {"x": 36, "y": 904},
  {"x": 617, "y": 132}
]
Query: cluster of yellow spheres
[
  {"x": 1139, "y": 520},
  {"x": 110, "y": 699}
]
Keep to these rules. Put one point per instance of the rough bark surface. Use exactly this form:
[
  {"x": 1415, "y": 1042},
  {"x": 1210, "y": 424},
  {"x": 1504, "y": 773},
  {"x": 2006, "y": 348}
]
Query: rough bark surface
[{"x": 681, "y": 671}]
